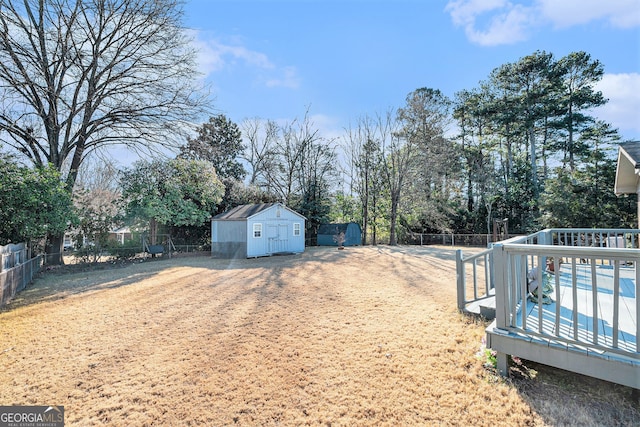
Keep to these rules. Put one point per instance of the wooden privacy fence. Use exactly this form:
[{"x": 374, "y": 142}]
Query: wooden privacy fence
[{"x": 16, "y": 271}]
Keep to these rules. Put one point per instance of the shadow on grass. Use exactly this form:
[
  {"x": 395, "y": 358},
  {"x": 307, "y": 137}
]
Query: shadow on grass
[
  {"x": 57, "y": 283},
  {"x": 566, "y": 398},
  {"x": 60, "y": 282}
]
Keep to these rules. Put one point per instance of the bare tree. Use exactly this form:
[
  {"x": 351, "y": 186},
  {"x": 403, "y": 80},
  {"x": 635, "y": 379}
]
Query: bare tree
[
  {"x": 98, "y": 174},
  {"x": 80, "y": 75},
  {"x": 398, "y": 159},
  {"x": 295, "y": 163},
  {"x": 261, "y": 138},
  {"x": 315, "y": 174},
  {"x": 364, "y": 149},
  {"x": 291, "y": 146}
]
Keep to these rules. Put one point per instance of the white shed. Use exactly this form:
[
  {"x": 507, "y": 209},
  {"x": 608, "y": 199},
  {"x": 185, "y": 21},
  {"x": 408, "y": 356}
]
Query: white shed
[{"x": 264, "y": 229}]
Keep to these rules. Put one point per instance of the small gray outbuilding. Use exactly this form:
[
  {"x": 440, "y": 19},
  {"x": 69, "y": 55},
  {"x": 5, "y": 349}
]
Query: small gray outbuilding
[
  {"x": 256, "y": 230},
  {"x": 328, "y": 232}
]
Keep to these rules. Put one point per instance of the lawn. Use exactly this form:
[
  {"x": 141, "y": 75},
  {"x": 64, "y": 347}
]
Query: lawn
[{"x": 365, "y": 336}]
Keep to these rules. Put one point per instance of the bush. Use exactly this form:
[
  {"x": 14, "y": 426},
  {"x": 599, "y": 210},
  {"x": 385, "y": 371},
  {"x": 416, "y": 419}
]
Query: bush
[{"x": 126, "y": 250}]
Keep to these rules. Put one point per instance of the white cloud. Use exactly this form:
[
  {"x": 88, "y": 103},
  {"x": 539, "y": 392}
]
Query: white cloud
[
  {"x": 214, "y": 55},
  {"x": 509, "y": 27},
  {"x": 464, "y": 12},
  {"x": 288, "y": 78},
  {"x": 566, "y": 13},
  {"x": 503, "y": 22},
  {"x": 623, "y": 108},
  {"x": 496, "y": 22},
  {"x": 329, "y": 127}
]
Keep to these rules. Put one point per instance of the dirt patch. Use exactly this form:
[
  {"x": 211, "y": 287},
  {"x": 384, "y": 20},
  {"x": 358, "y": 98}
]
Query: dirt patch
[{"x": 364, "y": 336}]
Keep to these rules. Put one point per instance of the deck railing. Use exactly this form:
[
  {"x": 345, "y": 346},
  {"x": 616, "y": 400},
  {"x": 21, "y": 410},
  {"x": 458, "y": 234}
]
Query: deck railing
[
  {"x": 502, "y": 270},
  {"x": 475, "y": 273},
  {"x": 474, "y": 278},
  {"x": 583, "y": 315},
  {"x": 514, "y": 261}
]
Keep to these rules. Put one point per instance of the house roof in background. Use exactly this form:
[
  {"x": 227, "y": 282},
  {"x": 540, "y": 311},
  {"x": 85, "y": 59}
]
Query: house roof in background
[
  {"x": 632, "y": 150},
  {"x": 628, "y": 168}
]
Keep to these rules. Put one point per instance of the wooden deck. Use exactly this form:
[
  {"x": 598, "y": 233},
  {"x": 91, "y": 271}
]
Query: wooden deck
[
  {"x": 590, "y": 323},
  {"x": 570, "y": 315}
]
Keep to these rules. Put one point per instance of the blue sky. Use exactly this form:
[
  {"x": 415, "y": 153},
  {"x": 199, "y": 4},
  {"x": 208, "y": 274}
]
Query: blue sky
[{"x": 348, "y": 58}]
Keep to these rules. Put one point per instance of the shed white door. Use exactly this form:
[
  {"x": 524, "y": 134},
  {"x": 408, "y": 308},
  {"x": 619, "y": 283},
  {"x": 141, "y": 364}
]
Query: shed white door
[{"x": 277, "y": 238}]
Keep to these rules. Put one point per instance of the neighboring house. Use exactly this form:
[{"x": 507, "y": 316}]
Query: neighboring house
[
  {"x": 352, "y": 234},
  {"x": 116, "y": 235},
  {"x": 628, "y": 171},
  {"x": 264, "y": 229},
  {"x": 120, "y": 234}
]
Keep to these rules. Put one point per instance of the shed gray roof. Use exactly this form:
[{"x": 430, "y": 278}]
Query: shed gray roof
[
  {"x": 244, "y": 211},
  {"x": 247, "y": 211}
]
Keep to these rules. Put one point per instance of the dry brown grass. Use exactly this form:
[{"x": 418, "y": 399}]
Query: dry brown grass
[{"x": 364, "y": 336}]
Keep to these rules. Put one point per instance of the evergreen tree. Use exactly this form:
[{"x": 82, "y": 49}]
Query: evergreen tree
[
  {"x": 219, "y": 142},
  {"x": 34, "y": 203}
]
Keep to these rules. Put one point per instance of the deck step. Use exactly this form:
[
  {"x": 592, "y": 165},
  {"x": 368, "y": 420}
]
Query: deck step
[
  {"x": 485, "y": 307},
  {"x": 488, "y": 308}
]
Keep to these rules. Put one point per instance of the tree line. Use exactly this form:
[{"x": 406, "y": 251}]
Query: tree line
[{"x": 78, "y": 77}]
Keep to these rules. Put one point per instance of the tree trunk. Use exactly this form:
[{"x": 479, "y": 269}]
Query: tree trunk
[
  {"x": 153, "y": 231},
  {"x": 469, "y": 192},
  {"x": 534, "y": 163},
  {"x": 53, "y": 250},
  {"x": 374, "y": 218},
  {"x": 393, "y": 239},
  {"x": 365, "y": 209}
]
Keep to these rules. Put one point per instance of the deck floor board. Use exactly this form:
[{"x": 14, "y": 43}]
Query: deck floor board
[{"x": 580, "y": 322}]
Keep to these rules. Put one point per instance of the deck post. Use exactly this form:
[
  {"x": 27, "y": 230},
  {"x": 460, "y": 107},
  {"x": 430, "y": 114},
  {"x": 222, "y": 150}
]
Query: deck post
[
  {"x": 502, "y": 298},
  {"x": 502, "y": 365},
  {"x": 460, "y": 280},
  {"x": 501, "y": 284},
  {"x": 491, "y": 269}
]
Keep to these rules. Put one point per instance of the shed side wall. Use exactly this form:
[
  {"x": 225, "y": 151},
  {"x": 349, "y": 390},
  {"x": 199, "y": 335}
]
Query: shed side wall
[
  {"x": 353, "y": 235},
  {"x": 229, "y": 239}
]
